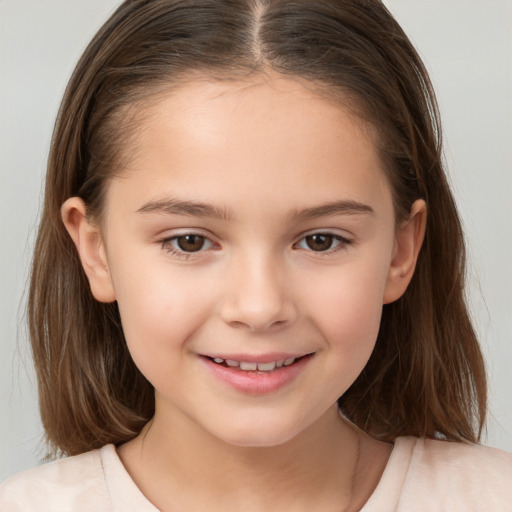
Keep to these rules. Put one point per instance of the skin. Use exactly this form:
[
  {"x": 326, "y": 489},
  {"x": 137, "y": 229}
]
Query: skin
[{"x": 259, "y": 151}]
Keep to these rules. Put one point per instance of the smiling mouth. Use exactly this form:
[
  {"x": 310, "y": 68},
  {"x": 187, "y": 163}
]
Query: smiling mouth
[{"x": 251, "y": 366}]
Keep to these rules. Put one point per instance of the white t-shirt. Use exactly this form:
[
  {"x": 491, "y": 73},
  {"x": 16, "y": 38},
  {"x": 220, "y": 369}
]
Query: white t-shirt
[{"x": 421, "y": 475}]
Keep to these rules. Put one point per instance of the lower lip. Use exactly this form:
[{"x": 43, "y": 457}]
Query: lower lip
[{"x": 256, "y": 382}]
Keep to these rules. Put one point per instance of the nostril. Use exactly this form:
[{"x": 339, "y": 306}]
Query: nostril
[
  {"x": 255, "y": 327},
  {"x": 239, "y": 325}
]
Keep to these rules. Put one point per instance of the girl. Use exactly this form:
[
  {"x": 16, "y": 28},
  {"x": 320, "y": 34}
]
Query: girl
[{"x": 247, "y": 289}]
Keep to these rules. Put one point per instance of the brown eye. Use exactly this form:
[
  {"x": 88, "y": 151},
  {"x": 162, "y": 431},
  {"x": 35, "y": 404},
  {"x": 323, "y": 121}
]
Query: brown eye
[
  {"x": 190, "y": 243},
  {"x": 319, "y": 242},
  {"x": 323, "y": 242},
  {"x": 186, "y": 245}
]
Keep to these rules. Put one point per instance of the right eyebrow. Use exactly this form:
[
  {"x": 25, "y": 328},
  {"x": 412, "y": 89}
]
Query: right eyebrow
[{"x": 174, "y": 206}]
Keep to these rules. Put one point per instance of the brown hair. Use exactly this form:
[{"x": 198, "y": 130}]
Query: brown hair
[{"x": 426, "y": 375}]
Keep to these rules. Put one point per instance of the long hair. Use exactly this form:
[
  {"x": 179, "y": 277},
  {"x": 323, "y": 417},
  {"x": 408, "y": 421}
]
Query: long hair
[{"x": 426, "y": 375}]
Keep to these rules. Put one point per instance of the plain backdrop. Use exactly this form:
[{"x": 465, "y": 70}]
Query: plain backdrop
[{"x": 467, "y": 47}]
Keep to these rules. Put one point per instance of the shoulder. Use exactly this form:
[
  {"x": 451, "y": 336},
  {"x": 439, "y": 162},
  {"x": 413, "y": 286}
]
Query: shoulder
[
  {"x": 462, "y": 476},
  {"x": 467, "y": 457},
  {"x": 75, "y": 483}
]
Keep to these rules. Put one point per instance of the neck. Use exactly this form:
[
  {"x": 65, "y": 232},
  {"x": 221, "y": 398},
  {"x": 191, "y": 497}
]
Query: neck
[{"x": 315, "y": 470}]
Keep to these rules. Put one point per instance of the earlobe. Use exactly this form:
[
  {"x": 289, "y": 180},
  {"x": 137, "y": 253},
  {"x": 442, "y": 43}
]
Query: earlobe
[
  {"x": 409, "y": 238},
  {"x": 88, "y": 242}
]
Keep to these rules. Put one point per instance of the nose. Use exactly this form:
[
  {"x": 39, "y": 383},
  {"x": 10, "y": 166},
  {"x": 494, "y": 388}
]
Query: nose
[{"x": 258, "y": 296}]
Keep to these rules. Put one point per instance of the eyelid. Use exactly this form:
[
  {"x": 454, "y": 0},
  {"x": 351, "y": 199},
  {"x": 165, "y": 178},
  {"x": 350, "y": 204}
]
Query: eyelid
[{"x": 326, "y": 231}]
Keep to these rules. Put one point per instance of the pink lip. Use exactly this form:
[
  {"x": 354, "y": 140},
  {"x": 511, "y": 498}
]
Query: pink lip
[{"x": 256, "y": 382}]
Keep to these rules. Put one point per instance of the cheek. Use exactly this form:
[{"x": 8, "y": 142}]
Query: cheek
[
  {"x": 347, "y": 309},
  {"x": 350, "y": 322},
  {"x": 160, "y": 310}
]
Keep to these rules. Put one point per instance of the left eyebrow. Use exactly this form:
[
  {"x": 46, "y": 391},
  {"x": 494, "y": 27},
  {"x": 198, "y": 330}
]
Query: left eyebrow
[{"x": 333, "y": 208}]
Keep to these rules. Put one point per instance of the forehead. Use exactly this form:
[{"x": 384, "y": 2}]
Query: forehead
[{"x": 266, "y": 137}]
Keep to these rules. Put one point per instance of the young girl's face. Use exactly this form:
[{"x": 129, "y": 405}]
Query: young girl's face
[{"x": 250, "y": 245}]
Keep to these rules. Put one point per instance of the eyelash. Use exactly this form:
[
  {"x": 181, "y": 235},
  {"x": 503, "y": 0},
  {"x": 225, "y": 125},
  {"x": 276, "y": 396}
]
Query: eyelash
[
  {"x": 342, "y": 242},
  {"x": 166, "y": 244}
]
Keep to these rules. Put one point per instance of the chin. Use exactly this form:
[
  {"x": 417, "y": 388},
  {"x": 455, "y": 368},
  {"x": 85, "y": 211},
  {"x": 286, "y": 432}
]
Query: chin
[{"x": 258, "y": 434}]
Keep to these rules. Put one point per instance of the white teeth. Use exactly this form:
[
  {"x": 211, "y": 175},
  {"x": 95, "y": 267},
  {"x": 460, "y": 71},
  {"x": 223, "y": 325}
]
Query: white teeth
[
  {"x": 248, "y": 366},
  {"x": 266, "y": 367},
  {"x": 251, "y": 366}
]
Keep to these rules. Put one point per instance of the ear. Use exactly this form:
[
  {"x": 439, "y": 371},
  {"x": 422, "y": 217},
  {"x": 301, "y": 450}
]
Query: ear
[
  {"x": 409, "y": 238},
  {"x": 91, "y": 250}
]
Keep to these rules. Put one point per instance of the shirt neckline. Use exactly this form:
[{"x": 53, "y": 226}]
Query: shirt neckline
[{"x": 126, "y": 496}]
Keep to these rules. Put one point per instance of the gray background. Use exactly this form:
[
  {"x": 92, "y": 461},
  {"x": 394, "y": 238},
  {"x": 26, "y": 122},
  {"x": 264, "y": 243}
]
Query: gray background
[{"x": 466, "y": 45}]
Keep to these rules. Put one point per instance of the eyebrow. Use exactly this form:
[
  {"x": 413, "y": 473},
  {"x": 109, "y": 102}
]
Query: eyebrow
[
  {"x": 174, "y": 206},
  {"x": 333, "y": 208}
]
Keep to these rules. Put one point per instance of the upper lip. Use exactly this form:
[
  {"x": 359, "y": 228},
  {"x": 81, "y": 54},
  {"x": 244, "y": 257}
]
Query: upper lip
[{"x": 258, "y": 358}]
